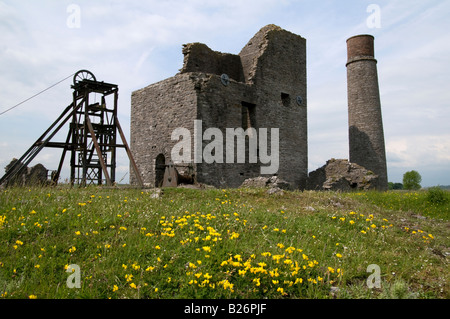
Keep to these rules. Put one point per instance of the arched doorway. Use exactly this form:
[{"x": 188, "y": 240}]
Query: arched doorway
[{"x": 160, "y": 167}]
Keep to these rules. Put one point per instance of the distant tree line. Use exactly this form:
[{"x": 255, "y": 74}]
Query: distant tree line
[
  {"x": 395, "y": 186},
  {"x": 411, "y": 181}
]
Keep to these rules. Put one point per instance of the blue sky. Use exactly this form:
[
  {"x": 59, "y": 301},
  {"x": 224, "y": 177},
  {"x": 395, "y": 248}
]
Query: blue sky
[{"x": 136, "y": 43}]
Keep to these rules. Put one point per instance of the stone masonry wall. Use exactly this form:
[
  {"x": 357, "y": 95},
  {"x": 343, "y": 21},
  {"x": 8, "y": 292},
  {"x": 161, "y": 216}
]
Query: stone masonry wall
[
  {"x": 156, "y": 111},
  {"x": 221, "y": 107},
  {"x": 198, "y": 57},
  {"x": 278, "y": 75}
]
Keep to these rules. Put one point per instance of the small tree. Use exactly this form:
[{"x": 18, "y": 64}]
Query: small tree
[{"x": 412, "y": 180}]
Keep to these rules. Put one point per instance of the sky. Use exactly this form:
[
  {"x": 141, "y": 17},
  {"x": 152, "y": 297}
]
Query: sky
[{"x": 135, "y": 43}]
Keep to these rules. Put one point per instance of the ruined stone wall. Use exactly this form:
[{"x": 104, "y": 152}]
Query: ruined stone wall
[
  {"x": 278, "y": 75},
  {"x": 220, "y": 106},
  {"x": 156, "y": 111},
  {"x": 198, "y": 57}
]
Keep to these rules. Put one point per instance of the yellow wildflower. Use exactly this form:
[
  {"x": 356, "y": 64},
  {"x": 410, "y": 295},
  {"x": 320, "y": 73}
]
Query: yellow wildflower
[
  {"x": 234, "y": 235},
  {"x": 136, "y": 266},
  {"x": 290, "y": 250},
  {"x": 280, "y": 290},
  {"x": 207, "y": 276},
  {"x": 207, "y": 248}
]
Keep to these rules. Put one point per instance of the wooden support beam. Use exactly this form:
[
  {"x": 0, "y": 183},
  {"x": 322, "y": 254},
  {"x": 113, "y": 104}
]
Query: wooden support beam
[
  {"x": 130, "y": 156},
  {"x": 99, "y": 151}
]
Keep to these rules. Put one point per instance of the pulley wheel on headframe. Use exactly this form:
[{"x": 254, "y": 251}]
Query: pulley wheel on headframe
[{"x": 83, "y": 75}]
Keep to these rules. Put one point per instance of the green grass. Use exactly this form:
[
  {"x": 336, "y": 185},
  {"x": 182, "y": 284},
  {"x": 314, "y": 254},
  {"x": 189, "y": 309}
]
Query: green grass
[
  {"x": 433, "y": 203},
  {"x": 234, "y": 243}
]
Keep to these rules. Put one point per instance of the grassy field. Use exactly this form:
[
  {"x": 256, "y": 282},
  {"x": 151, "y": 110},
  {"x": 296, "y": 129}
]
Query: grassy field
[{"x": 234, "y": 243}]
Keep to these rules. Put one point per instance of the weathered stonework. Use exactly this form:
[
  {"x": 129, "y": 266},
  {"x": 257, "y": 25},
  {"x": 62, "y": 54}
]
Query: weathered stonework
[
  {"x": 341, "y": 175},
  {"x": 265, "y": 80},
  {"x": 28, "y": 176}
]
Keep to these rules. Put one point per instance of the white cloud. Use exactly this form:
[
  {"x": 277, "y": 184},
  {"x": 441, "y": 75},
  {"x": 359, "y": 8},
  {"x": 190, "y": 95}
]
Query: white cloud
[{"x": 433, "y": 150}]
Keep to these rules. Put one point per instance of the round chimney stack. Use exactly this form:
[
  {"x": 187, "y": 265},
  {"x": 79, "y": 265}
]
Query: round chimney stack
[
  {"x": 366, "y": 136},
  {"x": 360, "y": 46}
]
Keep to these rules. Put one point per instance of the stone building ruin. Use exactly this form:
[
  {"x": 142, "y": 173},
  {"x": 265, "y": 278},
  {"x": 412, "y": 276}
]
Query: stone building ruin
[{"x": 264, "y": 86}]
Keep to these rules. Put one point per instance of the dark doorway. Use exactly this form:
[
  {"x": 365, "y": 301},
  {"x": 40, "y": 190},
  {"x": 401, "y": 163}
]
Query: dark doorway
[{"x": 160, "y": 167}]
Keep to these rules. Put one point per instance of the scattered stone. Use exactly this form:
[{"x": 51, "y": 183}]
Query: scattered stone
[
  {"x": 336, "y": 204},
  {"x": 438, "y": 253},
  {"x": 334, "y": 291},
  {"x": 275, "y": 191},
  {"x": 256, "y": 182},
  {"x": 154, "y": 192},
  {"x": 196, "y": 186},
  {"x": 266, "y": 182},
  {"x": 274, "y": 181}
]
